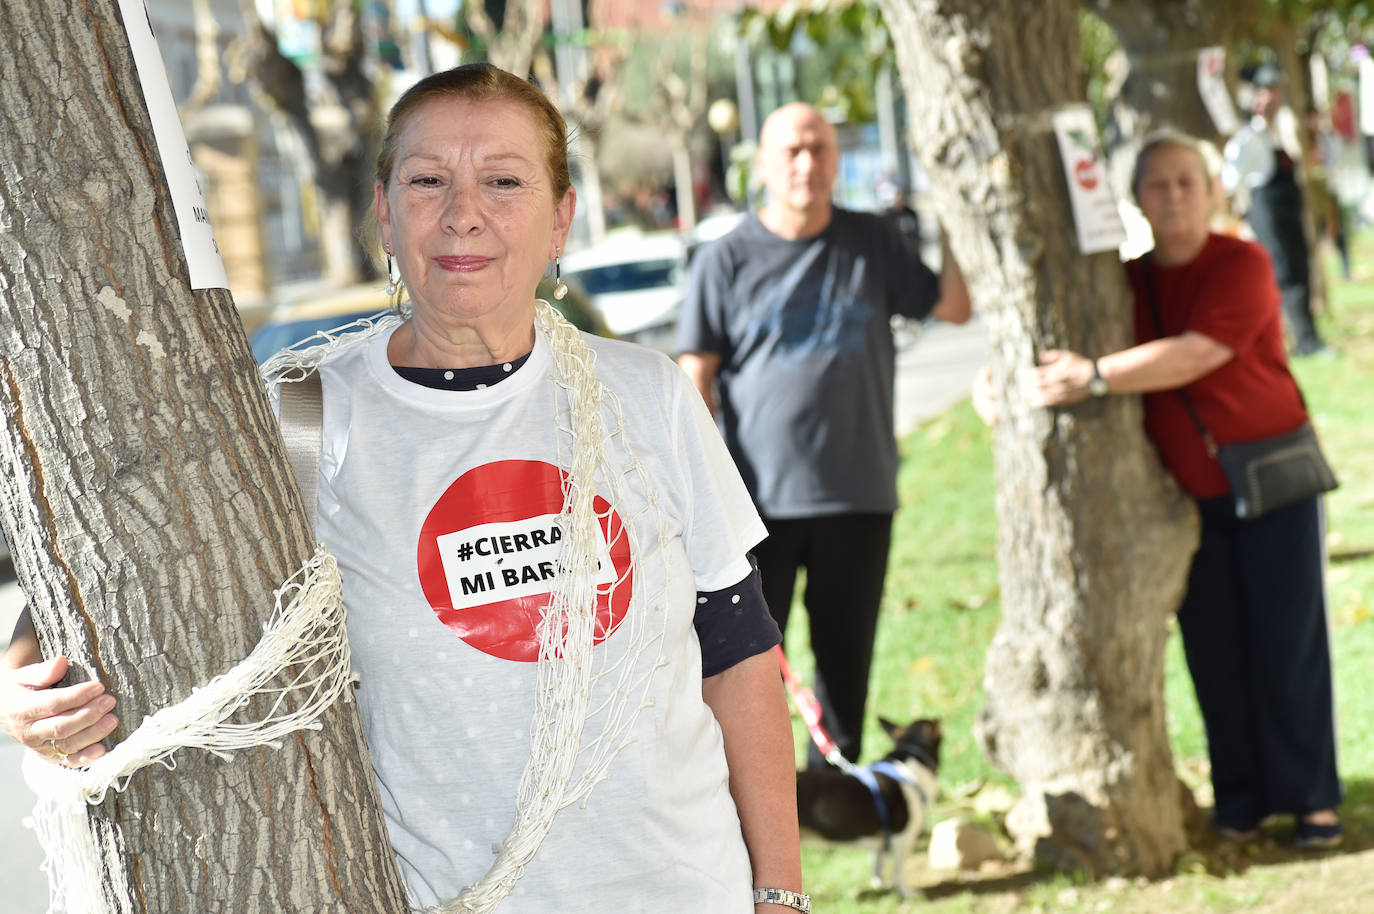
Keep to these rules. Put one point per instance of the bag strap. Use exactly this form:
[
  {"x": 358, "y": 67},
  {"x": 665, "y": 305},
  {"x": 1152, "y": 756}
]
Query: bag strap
[
  {"x": 1207, "y": 438},
  {"x": 302, "y": 428}
]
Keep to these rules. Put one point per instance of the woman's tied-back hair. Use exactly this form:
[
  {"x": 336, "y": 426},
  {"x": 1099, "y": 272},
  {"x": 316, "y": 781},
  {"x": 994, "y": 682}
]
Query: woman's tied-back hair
[
  {"x": 481, "y": 82},
  {"x": 1172, "y": 138}
]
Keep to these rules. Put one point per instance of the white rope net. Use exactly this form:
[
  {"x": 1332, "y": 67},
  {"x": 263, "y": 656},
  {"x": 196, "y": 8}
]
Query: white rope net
[
  {"x": 305, "y": 635},
  {"x": 579, "y": 687},
  {"x": 294, "y": 363}
]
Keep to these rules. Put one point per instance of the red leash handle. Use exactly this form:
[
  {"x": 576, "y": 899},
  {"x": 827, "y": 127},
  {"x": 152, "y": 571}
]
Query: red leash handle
[{"x": 809, "y": 707}]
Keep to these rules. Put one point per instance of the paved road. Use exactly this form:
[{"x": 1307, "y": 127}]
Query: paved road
[
  {"x": 25, "y": 888},
  {"x": 934, "y": 370}
]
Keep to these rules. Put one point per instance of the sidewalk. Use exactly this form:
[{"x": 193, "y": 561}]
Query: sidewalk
[
  {"x": 26, "y": 889},
  {"x": 934, "y": 371}
]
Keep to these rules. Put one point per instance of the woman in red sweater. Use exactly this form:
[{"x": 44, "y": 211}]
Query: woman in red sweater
[{"x": 1254, "y": 616}]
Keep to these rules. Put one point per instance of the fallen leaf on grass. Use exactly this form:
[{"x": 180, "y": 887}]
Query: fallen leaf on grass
[{"x": 921, "y": 665}]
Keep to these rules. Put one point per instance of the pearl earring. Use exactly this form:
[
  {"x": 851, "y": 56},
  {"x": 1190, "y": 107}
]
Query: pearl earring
[
  {"x": 393, "y": 281},
  {"x": 560, "y": 288}
]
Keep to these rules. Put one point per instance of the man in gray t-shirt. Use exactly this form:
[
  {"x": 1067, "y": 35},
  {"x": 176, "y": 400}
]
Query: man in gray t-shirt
[{"x": 786, "y": 332}]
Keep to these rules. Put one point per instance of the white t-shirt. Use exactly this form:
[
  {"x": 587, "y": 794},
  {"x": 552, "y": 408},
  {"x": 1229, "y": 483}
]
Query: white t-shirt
[{"x": 438, "y": 506}]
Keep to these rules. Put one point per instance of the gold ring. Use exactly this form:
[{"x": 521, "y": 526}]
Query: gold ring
[{"x": 62, "y": 756}]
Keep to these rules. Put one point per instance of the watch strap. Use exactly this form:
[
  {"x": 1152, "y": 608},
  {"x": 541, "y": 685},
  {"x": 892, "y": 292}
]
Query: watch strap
[
  {"x": 1098, "y": 385},
  {"x": 784, "y": 897}
]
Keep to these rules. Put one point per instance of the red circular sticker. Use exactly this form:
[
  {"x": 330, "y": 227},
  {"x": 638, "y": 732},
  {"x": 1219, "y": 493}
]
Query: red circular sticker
[
  {"x": 1085, "y": 171},
  {"x": 489, "y": 550}
]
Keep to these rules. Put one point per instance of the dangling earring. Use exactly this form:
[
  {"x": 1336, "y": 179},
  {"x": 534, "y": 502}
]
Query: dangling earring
[
  {"x": 560, "y": 288},
  {"x": 393, "y": 281}
]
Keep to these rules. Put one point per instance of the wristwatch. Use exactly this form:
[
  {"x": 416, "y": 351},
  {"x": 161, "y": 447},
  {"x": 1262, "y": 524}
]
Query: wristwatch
[
  {"x": 785, "y": 897},
  {"x": 1098, "y": 385}
]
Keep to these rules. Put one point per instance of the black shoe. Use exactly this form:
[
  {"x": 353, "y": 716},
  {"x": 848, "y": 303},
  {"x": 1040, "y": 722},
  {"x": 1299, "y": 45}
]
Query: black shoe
[
  {"x": 1235, "y": 829},
  {"x": 1312, "y": 836}
]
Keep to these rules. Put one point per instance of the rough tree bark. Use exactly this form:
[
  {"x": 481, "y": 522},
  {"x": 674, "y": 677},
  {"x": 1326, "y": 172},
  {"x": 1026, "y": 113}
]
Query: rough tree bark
[
  {"x": 148, "y": 502},
  {"x": 1094, "y": 537}
]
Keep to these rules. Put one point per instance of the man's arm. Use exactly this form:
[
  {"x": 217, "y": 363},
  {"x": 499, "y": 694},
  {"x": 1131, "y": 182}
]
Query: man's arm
[
  {"x": 954, "y": 306},
  {"x": 702, "y": 367}
]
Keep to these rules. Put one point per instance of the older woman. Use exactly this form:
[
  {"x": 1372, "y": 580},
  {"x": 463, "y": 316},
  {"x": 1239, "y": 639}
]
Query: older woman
[
  {"x": 1254, "y": 616},
  {"x": 485, "y": 468}
]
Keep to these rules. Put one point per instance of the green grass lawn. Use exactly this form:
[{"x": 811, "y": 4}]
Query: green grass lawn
[{"x": 942, "y": 607}]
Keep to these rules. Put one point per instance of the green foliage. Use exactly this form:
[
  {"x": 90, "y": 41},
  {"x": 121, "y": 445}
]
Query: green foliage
[
  {"x": 1099, "y": 42},
  {"x": 838, "y": 49},
  {"x": 740, "y": 177},
  {"x": 644, "y": 50}
]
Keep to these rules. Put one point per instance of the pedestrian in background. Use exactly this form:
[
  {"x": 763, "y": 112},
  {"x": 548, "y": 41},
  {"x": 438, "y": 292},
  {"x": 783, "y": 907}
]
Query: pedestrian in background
[
  {"x": 786, "y": 331},
  {"x": 894, "y": 203},
  {"x": 1257, "y": 159}
]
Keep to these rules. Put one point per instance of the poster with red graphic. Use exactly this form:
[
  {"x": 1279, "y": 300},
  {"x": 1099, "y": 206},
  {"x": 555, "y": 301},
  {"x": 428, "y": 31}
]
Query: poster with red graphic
[
  {"x": 1095, "y": 213},
  {"x": 490, "y": 549}
]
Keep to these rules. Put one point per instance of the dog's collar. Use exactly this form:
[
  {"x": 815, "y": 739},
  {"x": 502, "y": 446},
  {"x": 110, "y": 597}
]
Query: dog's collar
[{"x": 920, "y": 754}]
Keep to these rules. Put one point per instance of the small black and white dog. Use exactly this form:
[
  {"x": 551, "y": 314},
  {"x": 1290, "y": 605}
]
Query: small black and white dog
[{"x": 884, "y": 805}]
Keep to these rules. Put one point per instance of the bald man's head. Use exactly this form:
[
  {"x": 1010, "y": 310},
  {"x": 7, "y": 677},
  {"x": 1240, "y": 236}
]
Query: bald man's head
[
  {"x": 792, "y": 117},
  {"x": 798, "y": 159}
]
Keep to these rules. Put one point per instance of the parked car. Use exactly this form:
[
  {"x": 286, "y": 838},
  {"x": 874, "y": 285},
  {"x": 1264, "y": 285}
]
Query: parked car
[
  {"x": 298, "y": 319},
  {"x": 635, "y": 283},
  {"x": 711, "y": 228}
]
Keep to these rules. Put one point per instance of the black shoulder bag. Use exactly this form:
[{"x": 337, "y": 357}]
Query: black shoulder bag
[{"x": 1265, "y": 474}]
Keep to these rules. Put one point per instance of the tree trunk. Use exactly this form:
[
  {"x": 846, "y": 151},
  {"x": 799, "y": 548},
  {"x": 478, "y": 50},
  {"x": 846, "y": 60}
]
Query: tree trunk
[
  {"x": 150, "y": 508},
  {"x": 1094, "y": 537},
  {"x": 593, "y": 201},
  {"x": 339, "y": 131},
  {"x": 682, "y": 180}
]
